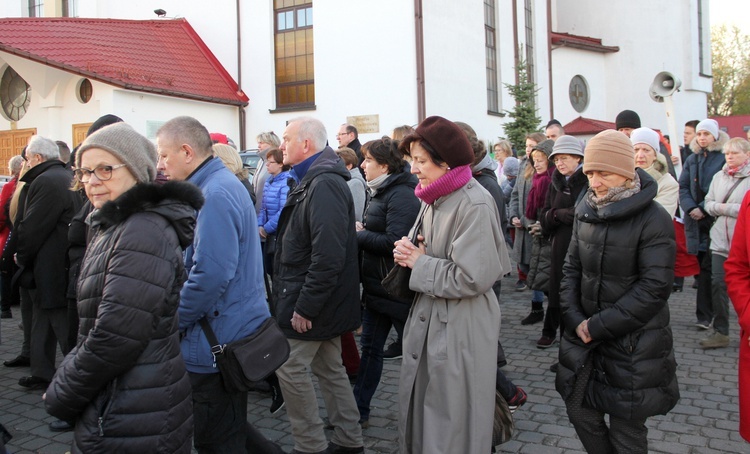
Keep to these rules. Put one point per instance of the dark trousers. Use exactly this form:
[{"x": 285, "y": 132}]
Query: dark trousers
[
  {"x": 220, "y": 420},
  {"x": 49, "y": 327},
  {"x": 704, "y": 311},
  {"x": 551, "y": 320},
  {"x": 27, "y": 313},
  {"x": 504, "y": 386},
  {"x": 622, "y": 435},
  {"x": 375, "y": 330}
]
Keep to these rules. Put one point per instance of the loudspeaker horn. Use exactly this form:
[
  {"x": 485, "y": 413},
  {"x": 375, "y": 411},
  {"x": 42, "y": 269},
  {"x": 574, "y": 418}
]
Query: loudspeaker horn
[{"x": 665, "y": 84}]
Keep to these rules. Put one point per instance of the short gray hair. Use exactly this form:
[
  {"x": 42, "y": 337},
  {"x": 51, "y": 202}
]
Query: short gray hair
[
  {"x": 190, "y": 131},
  {"x": 312, "y": 129},
  {"x": 15, "y": 164},
  {"x": 44, "y": 147}
]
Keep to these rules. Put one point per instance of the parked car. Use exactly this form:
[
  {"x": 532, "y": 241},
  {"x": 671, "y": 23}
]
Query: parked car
[{"x": 250, "y": 159}]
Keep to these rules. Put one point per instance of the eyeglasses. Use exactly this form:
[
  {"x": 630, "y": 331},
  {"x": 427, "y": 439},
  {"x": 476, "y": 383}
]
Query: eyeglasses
[
  {"x": 103, "y": 173},
  {"x": 343, "y": 134},
  {"x": 561, "y": 159}
]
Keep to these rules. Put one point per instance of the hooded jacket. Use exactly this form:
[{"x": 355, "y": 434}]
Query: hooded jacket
[
  {"x": 726, "y": 209},
  {"x": 315, "y": 267},
  {"x": 695, "y": 180},
  {"x": 618, "y": 274},
  {"x": 125, "y": 382}
]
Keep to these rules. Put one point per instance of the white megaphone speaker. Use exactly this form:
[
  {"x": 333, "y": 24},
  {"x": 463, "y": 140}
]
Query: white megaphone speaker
[{"x": 665, "y": 84}]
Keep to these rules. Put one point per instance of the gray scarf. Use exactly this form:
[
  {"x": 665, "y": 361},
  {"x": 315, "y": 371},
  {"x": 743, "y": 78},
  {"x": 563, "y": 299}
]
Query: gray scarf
[
  {"x": 615, "y": 194},
  {"x": 376, "y": 183}
]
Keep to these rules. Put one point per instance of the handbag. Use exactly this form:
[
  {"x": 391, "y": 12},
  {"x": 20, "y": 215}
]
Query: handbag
[
  {"x": 396, "y": 282},
  {"x": 502, "y": 428},
  {"x": 250, "y": 359}
]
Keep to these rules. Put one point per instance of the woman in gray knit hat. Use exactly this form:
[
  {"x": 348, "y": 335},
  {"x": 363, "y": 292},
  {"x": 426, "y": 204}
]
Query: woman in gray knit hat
[{"x": 125, "y": 383}]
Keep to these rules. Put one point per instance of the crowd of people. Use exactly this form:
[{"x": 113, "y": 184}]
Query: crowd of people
[{"x": 121, "y": 253}]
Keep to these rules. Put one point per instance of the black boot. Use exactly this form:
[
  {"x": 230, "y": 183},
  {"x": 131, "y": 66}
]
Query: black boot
[{"x": 536, "y": 315}]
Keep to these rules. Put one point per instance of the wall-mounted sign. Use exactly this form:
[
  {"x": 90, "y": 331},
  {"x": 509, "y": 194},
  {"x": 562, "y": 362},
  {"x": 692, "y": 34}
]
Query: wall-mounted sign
[{"x": 365, "y": 124}]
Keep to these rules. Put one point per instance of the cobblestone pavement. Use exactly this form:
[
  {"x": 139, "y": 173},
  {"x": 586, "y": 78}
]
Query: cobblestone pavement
[{"x": 704, "y": 421}]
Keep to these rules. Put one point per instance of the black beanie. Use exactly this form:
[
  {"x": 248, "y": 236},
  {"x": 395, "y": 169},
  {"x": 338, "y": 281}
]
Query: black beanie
[
  {"x": 104, "y": 120},
  {"x": 627, "y": 119}
]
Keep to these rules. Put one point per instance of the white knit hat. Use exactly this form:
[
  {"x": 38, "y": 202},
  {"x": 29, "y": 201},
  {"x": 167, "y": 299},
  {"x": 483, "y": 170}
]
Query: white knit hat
[
  {"x": 647, "y": 136},
  {"x": 709, "y": 125}
]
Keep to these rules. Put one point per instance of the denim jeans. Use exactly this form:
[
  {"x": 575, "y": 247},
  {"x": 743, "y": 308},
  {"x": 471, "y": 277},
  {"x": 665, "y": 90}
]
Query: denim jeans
[{"x": 375, "y": 330}]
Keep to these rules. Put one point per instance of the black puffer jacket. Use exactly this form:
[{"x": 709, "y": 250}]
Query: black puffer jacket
[
  {"x": 389, "y": 215},
  {"x": 618, "y": 274},
  {"x": 125, "y": 382},
  {"x": 557, "y": 222},
  {"x": 315, "y": 269}
]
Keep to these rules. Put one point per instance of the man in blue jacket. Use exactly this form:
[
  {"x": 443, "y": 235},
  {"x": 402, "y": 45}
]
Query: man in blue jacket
[
  {"x": 316, "y": 290},
  {"x": 224, "y": 284}
]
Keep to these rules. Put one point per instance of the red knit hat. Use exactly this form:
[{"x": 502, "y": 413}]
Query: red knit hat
[{"x": 443, "y": 136}]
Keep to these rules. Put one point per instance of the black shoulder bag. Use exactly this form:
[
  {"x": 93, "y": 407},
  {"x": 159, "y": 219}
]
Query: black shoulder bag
[
  {"x": 396, "y": 282},
  {"x": 250, "y": 359}
]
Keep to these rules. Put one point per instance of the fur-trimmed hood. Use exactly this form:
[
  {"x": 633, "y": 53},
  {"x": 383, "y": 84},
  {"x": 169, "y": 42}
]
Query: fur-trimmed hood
[
  {"x": 717, "y": 145},
  {"x": 176, "y": 201},
  {"x": 560, "y": 182}
]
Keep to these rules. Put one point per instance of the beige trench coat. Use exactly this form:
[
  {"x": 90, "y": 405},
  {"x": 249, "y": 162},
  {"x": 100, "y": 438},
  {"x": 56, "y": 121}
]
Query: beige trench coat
[{"x": 447, "y": 384}]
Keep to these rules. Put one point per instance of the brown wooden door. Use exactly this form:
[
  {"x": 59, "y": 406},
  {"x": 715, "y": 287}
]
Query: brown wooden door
[
  {"x": 11, "y": 143},
  {"x": 79, "y": 133}
]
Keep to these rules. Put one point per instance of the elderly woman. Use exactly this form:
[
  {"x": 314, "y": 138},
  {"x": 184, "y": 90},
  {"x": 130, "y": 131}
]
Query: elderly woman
[
  {"x": 125, "y": 382},
  {"x": 568, "y": 182},
  {"x": 723, "y": 201},
  {"x": 266, "y": 141},
  {"x": 737, "y": 269},
  {"x": 616, "y": 353},
  {"x": 390, "y": 211},
  {"x": 648, "y": 157},
  {"x": 233, "y": 162},
  {"x": 450, "y": 340}
]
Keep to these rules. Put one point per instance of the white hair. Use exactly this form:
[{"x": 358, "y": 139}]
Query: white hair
[
  {"x": 44, "y": 147},
  {"x": 312, "y": 129},
  {"x": 14, "y": 164}
]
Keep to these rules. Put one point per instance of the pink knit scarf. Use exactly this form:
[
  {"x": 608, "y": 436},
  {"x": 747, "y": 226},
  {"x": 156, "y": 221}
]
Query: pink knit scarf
[{"x": 454, "y": 179}]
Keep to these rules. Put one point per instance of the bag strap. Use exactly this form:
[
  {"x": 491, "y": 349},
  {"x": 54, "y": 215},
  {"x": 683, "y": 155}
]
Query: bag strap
[
  {"x": 216, "y": 347},
  {"x": 418, "y": 224},
  {"x": 731, "y": 190}
]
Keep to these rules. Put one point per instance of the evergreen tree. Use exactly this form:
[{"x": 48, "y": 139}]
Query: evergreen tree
[{"x": 524, "y": 115}]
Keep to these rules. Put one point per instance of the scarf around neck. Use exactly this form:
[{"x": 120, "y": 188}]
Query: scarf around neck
[
  {"x": 537, "y": 194},
  {"x": 376, "y": 183},
  {"x": 615, "y": 194},
  {"x": 451, "y": 181},
  {"x": 733, "y": 171}
]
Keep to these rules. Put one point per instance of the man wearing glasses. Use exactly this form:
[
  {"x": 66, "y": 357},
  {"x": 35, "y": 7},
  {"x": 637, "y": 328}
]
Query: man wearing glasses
[{"x": 348, "y": 136}]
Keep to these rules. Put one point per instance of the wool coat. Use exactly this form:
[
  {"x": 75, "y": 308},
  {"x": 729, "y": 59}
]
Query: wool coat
[
  {"x": 517, "y": 209},
  {"x": 125, "y": 382},
  {"x": 447, "y": 383},
  {"x": 557, "y": 222},
  {"x": 389, "y": 215},
  {"x": 737, "y": 269},
  {"x": 695, "y": 180},
  {"x": 42, "y": 234},
  {"x": 618, "y": 275},
  {"x": 725, "y": 210}
]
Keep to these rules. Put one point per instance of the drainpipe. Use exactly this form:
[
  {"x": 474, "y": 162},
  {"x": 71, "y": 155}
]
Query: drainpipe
[
  {"x": 242, "y": 113},
  {"x": 419, "y": 31},
  {"x": 515, "y": 39},
  {"x": 549, "y": 59}
]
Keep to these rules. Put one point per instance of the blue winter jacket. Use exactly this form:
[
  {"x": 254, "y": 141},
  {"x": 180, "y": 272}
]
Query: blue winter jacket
[
  {"x": 274, "y": 196},
  {"x": 224, "y": 266}
]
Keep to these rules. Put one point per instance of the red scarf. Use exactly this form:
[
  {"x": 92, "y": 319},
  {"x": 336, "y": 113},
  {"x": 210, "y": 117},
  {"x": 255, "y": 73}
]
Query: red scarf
[
  {"x": 538, "y": 193},
  {"x": 454, "y": 179}
]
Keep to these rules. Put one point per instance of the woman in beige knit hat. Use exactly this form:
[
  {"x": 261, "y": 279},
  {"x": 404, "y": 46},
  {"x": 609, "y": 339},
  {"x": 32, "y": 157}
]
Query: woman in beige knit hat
[{"x": 616, "y": 353}]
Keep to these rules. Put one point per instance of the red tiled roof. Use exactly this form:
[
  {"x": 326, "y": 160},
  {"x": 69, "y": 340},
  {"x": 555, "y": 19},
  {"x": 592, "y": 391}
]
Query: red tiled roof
[
  {"x": 166, "y": 57},
  {"x": 585, "y": 126},
  {"x": 581, "y": 42}
]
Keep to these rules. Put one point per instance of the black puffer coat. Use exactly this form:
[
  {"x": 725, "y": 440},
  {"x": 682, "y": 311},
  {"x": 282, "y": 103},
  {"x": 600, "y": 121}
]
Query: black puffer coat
[
  {"x": 618, "y": 274},
  {"x": 389, "y": 215},
  {"x": 125, "y": 382},
  {"x": 557, "y": 223},
  {"x": 315, "y": 269}
]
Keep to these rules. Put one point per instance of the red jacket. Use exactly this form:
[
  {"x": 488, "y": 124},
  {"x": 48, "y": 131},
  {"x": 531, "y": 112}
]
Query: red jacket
[
  {"x": 737, "y": 268},
  {"x": 6, "y": 193}
]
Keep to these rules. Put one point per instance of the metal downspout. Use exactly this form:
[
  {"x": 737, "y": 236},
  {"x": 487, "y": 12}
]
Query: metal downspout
[{"x": 419, "y": 31}]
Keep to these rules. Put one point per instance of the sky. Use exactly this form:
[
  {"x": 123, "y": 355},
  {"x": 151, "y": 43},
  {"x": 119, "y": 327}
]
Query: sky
[{"x": 730, "y": 12}]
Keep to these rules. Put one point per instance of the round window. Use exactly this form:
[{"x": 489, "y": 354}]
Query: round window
[
  {"x": 85, "y": 90},
  {"x": 578, "y": 92},
  {"x": 15, "y": 95}
]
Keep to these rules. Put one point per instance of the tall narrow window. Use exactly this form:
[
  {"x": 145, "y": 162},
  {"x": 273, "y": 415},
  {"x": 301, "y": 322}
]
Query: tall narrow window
[
  {"x": 36, "y": 8},
  {"x": 69, "y": 8},
  {"x": 704, "y": 41},
  {"x": 490, "y": 50},
  {"x": 529, "y": 16},
  {"x": 295, "y": 76}
]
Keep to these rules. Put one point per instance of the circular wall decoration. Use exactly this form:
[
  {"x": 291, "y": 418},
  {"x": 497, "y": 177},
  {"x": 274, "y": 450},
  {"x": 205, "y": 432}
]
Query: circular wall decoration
[
  {"x": 578, "y": 93},
  {"x": 15, "y": 95},
  {"x": 84, "y": 91}
]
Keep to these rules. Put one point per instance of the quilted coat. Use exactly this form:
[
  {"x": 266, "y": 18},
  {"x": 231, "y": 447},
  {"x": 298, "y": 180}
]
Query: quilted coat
[
  {"x": 125, "y": 382},
  {"x": 618, "y": 274}
]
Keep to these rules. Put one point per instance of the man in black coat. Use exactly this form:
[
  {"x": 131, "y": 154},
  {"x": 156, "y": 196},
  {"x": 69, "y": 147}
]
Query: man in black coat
[
  {"x": 316, "y": 290},
  {"x": 42, "y": 237}
]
